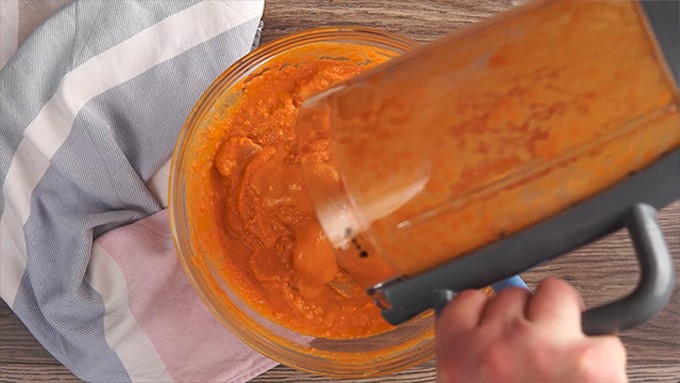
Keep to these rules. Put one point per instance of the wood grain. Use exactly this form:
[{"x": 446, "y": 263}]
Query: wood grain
[
  {"x": 36, "y": 373},
  {"x": 422, "y": 21},
  {"x": 17, "y": 346},
  {"x": 601, "y": 271}
]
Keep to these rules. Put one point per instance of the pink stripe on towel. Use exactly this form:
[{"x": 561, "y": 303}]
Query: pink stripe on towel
[{"x": 194, "y": 346}]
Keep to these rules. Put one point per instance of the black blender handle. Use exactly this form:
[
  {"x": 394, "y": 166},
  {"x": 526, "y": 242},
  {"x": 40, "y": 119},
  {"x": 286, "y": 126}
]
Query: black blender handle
[
  {"x": 653, "y": 292},
  {"x": 657, "y": 272},
  {"x": 628, "y": 204},
  {"x": 657, "y": 276}
]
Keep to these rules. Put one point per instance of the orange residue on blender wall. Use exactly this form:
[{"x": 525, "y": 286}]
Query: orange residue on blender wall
[
  {"x": 515, "y": 121},
  {"x": 247, "y": 205}
]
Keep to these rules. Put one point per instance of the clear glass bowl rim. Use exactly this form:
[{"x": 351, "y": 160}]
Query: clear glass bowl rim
[{"x": 177, "y": 217}]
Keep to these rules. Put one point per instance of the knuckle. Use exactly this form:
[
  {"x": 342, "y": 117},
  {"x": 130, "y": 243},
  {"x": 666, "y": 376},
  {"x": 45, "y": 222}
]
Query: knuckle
[
  {"x": 614, "y": 348},
  {"x": 543, "y": 358},
  {"x": 560, "y": 289},
  {"x": 510, "y": 297},
  {"x": 615, "y": 343},
  {"x": 469, "y": 294},
  {"x": 585, "y": 368},
  {"x": 591, "y": 358},
  {"x": 496, "y": 363},
  {"x": 518, "y": 328},
  {"x": 464, "y": 299}
]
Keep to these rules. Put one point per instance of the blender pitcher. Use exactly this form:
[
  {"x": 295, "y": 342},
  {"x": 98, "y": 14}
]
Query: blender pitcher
[{"x": 499, "y": 146}]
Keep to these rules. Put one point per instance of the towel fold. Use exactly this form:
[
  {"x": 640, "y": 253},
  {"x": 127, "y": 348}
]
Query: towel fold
[{"x": 91, "y": 104}]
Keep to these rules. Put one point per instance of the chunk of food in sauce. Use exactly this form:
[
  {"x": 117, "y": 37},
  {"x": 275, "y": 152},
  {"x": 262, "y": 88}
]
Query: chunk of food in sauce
[{"x": 249, "y": 210}]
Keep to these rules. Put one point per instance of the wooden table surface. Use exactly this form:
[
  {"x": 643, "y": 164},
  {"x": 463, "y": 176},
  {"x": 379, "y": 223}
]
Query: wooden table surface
[{"x": 601, "y": 271}]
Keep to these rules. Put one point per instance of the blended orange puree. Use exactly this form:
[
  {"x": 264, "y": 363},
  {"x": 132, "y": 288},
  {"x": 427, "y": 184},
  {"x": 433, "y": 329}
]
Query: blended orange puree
[
  {"x": 490, "y": 130},
  {"x": 247, "y": 206}
]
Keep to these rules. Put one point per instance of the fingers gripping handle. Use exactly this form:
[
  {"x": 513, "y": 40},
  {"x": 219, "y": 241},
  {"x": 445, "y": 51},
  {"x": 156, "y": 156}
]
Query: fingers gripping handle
[{"x": 657, "y": 278}]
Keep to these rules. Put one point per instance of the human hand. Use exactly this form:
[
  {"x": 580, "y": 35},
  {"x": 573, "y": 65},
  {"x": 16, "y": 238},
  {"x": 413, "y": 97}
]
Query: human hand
[{"x": 520, "y": 337}]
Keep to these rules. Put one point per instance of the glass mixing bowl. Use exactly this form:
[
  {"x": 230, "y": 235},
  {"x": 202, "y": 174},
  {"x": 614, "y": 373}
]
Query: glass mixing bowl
[{"x": 406, "y": 345}]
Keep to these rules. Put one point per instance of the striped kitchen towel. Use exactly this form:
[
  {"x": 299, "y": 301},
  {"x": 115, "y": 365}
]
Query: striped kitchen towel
[{"x": 91, "y": 103}]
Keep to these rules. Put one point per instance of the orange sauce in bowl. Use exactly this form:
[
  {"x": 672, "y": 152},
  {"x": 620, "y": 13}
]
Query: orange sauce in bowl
[{"x": 247, "y": 206}]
